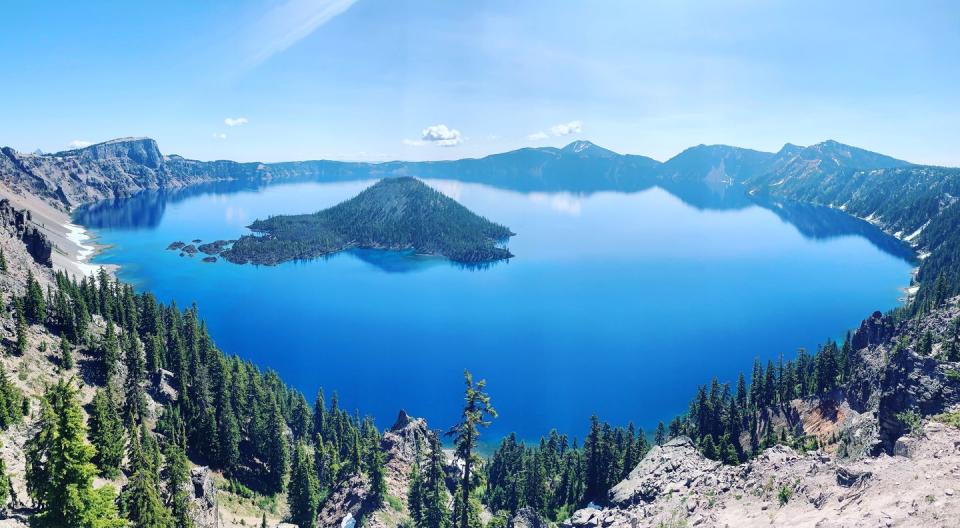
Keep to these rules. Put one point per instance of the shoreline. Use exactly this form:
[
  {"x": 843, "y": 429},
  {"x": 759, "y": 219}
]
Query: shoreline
[{"x": 73, "y": 246}]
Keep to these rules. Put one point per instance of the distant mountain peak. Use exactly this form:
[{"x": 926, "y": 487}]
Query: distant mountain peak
[
  {"x": 587, "y": 148},
  {"x": 853, "y": 157}
]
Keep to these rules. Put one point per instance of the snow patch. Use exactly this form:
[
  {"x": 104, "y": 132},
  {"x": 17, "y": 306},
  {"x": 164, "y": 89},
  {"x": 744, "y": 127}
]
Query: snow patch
[
  {"x": 78, "y": 235},
  {"x": 916, "y": 233}
]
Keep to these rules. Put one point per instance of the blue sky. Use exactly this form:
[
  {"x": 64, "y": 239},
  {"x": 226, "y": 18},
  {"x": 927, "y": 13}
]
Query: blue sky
[{"x": 395, "y": 79}]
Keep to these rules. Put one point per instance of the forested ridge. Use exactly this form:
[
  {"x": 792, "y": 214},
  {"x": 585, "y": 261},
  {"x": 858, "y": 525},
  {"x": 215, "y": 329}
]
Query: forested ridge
[{"x": 397, "y": 213}]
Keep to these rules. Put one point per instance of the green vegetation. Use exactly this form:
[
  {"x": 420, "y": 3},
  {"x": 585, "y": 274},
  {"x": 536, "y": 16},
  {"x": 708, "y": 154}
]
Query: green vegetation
[
  {"x": 949, "y": 418},
  {"x": 59, "y": 469},
  {"x": 912, "y": 422},
  {"x": 395, "y": 214},
  {"x": 784, "y": 495}
]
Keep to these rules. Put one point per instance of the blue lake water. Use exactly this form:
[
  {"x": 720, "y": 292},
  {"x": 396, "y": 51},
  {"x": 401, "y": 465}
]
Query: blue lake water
[{"x": 616, "y": 303}]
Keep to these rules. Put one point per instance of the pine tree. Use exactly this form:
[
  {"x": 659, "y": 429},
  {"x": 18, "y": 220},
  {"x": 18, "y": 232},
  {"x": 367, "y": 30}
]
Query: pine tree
[
  {"x": 178, "y": 475},
  {"x": 378, "y": 483},
  {"x": 66, "y": 353},
  {"x": 59, "y": 469},
  {"x": 434, "y": 511},
  {"x": 476, "y": 413},
  {"x": 140, "y": 498},
  {"x": 11, "y": 401},
  {"x": 110, "y": 351},
  {"x": 34, "y": 305},
  {"x": 106, "y": 433},
  {"x": 278, "y": 453},
  {"x": 3, "y": 262},
  {"x": 660, "y": 437},
  {"x": 415, "y": 493},
  {"x": 135, "y": 401},
  {"x": 6, "y": 490},
  {"x": 304, "y": 490},
  {"x": 21, "y": 346}
]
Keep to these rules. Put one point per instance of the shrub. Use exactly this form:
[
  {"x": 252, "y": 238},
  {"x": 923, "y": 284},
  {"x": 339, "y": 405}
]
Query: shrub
[{"x": 785, "y": 494}]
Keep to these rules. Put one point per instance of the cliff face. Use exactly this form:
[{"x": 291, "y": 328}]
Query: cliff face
[
  {"x": 18, "y": 223},
  {"x": 112, "y": 169},
  {"x": 402, "y": 445}
]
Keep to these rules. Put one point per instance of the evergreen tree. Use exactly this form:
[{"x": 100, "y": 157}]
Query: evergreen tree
[
  {"x": 110, "y": 352},
  {"x": 3, "y": 262},
  {"x": 11, "y": 401},
  {"x": 21, "y": 345},
  {"x": 378, "y": 483},
  {"x": 178, "y": 476},
  {"x": 304, "y": 490},
  {"x": 434, "y": 511},
  {"x": 415, "y": 493},
  {"x": 476, "y": 413},
  {"x": 66, "y": 353},
  {"x": 59, "y": 469},
  {"x": 106, "y": 433},
  {"x": 6, "y": 489},
  {"x": 277, "y": 453},
  {"x": 140, "y": 498},
  {"x": 34, "y": 305},
  {"x": 660, "y": 437}
]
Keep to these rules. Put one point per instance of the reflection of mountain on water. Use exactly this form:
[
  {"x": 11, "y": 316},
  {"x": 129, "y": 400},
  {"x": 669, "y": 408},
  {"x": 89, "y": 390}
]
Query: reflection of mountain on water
[
  {"x": 820, "y": 223},
  {"x": 145, "y": 210},
  {"x": 708, "y": 196}
]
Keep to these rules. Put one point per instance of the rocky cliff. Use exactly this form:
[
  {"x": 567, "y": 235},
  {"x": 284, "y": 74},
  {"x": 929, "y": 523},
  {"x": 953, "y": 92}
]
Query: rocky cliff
[
  {"x": 112, "y": 169},
  {"x": 19, "y": 224},
  {"x": 403, "y": 444},
  {"x": 886, "y": 469}
]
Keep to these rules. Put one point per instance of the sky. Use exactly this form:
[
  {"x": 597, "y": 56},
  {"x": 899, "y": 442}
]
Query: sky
[{"x": 396, "y": 79}]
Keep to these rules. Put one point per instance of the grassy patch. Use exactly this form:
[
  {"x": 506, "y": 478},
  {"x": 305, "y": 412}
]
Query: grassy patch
[
  {"x": 949, "y": 418},
  {"x": 953, "y": 375},
  {"x": 394, "y": 502}
]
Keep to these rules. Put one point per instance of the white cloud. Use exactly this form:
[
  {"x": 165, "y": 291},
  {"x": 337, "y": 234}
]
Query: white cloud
[
  {"x": 220, "y": 135},
  {"x": 79, "y": 143},
  {"x": 235, "y": 121},
  {"x": 538, "y": 136},
  {"x": 565, "y": 129},
  {"x": 290, "y": 22},
  {"x": 439, "y": 135}
]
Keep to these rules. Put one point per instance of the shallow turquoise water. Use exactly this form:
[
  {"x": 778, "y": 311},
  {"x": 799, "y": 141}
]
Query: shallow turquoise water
[{"x": 616, "y": 303}]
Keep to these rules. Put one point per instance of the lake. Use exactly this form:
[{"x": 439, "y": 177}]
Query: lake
[{"x": 617, "y": 303}]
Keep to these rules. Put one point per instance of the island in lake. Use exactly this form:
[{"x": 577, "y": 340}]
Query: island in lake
[{"x": 396, "y": 214}]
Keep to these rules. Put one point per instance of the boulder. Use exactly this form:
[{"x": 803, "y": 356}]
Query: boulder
[
  {"x": 527, "y": 517},
  {"x": 203, "y": 496}
]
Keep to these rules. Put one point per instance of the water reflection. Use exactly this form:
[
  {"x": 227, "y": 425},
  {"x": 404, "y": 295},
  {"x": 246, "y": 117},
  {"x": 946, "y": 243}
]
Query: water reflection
[{"x": 146, "y": 210}]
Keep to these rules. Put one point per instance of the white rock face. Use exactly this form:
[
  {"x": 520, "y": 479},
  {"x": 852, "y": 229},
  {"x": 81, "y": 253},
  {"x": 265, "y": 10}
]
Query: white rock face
[{"x": 675, "y": 486}]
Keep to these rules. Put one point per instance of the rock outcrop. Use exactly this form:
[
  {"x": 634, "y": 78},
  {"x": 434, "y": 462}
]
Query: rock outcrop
[
  {"x": 882, "y": 472},
  {"x": 203, "y": 497},
  {"x": 20, "y": 225},
  {"x": 402, "y": 445},
  {"x": 113, "y": 169},
  {"x": 527, "y": 517},
  {"x": 675, "y": 486}
]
